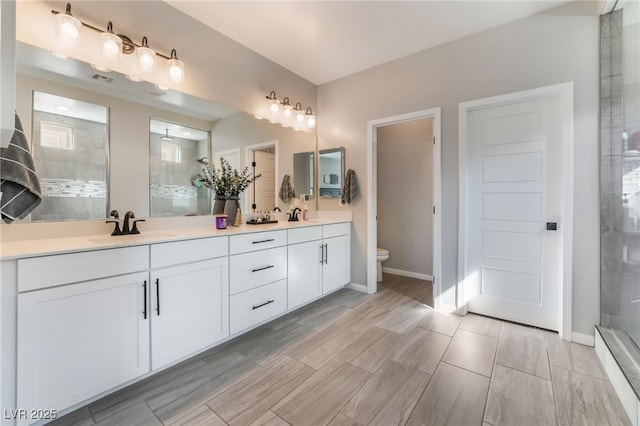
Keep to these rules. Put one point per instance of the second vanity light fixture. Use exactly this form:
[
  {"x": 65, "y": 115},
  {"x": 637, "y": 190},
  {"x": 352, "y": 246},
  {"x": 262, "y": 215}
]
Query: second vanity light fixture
[
  {"x": 114, "y": 45},
  {"x": 282, "y": 112}
]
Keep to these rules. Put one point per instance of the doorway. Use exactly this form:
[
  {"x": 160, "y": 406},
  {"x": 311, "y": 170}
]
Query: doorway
[
  {"x": 432, "y": 209},
  {"x": 516, "y": 206},
  {"x": 262, "y": 159}
]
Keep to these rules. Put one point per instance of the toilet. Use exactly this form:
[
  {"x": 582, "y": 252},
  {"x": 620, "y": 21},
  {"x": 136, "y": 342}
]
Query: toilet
[{"x": 383, "y": 255}]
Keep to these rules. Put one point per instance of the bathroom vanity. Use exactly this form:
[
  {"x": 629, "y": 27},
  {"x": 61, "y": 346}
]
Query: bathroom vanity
[{"x": 87, "y": 315}]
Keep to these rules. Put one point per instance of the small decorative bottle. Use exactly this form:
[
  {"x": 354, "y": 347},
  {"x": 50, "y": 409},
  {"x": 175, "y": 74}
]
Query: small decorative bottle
[{"x": 305, "y": 213}]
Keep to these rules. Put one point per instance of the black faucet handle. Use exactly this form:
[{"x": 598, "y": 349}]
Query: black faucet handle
[
  {"x": 114, "y": 213},
  {"x": 134, "y": 229},
  {"x": 116, "y": 229}
]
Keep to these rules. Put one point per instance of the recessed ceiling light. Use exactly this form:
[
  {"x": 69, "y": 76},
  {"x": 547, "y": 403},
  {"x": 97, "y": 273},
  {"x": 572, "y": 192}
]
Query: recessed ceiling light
[{"x": 63, "y": 108}]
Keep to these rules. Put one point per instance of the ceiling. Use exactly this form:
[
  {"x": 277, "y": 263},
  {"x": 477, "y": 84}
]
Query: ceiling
[{"x": 325, "y": 40}]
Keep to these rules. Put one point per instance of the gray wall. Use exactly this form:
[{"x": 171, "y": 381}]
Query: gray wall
[
  {"x": 405, "y": 195},
  {"x": 555, "y": 47}
]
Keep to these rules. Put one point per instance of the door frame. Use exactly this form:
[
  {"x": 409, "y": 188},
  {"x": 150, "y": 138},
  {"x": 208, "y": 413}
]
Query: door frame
[
  {"x": 565, "y": 92},
  {"x": 372, "y": 182},
  {"x": 248, "y": 158}
]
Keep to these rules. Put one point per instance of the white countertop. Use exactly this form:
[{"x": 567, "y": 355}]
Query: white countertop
[{"x": 49, "y": 246}]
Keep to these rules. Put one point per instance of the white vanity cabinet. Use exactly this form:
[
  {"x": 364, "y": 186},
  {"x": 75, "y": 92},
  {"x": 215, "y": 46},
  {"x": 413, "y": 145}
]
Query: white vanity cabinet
[
  {"x": 189, "y": 298},
  {"x": 318, "y": 261},
  {"x": 257, "y": 278},
  {"x": 80, "y": 332}
]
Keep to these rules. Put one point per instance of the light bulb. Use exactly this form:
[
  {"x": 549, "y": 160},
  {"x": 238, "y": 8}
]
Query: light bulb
[
  {"x": 176, "y": 68},
  {"x": 146, "y": 59},
  {"x": 111, "y": 46},
  {"x": 311, "y": 121},
  {"x": 300, "y": 116},
  {"x": 287, "y": 111},
  {"x": 274, "y": 106},
  {"x": 68, "y": 29}
]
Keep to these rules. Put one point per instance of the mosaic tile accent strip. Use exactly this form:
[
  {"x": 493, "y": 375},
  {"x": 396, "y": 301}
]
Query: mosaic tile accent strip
[
  {"x": 73, "y": 188},
  {"x": 174, "y": 191}
]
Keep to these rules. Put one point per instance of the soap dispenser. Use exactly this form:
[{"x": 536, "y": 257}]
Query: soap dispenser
[{"x": 305, "y": 213}]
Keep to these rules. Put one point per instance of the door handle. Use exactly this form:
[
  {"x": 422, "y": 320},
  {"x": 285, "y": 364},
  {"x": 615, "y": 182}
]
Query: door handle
[
  {"x": 552, "y": 226},
  {"x": 144, "y": 286}
]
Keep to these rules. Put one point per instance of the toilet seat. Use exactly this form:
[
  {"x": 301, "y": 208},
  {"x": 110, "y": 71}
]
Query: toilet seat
[{"x": 380, "y": 252}]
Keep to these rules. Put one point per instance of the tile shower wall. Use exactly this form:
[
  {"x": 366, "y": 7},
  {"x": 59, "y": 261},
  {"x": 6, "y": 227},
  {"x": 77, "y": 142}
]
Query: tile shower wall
[
  {"x": 620, "y": 173},
  {"x": 74, "y": 182},
  {"x": 172, "y": 188}
]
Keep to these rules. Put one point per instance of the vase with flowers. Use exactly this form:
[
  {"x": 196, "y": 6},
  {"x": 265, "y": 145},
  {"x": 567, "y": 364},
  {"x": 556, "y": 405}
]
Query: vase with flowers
[{"x": 227, "y": 184}]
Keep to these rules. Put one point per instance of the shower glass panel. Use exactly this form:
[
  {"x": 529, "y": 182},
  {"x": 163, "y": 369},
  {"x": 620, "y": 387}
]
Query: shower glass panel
[
  {"x": 620, "y": 185},
  {"x": 71, "y": 152},
  {"x": 175, "y": 151}
]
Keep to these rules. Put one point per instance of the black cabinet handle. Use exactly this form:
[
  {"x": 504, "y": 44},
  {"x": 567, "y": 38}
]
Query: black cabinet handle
[
  {"x": 158, "y": 296},
  {"x": 263, "y": 304},
  {"x": 326, "y": 254},
  {"x": 263, "y": 268},
  {"x": 262, "y": 241},
  {"x": 321, "y": 254},
  {"x": 144, "y": 286}
]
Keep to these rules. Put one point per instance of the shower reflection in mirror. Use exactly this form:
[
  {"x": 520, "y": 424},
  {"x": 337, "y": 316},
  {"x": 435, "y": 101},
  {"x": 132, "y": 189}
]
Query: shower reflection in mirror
[
  {"x": 70, "y": 145},
  {"x": 176, "y": 155}
]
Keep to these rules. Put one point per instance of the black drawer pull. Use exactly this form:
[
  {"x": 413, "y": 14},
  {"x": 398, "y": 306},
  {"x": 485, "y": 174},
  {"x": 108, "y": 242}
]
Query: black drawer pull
[
  {"x": 264, "y": 304},
  {"x": 263, "y": 268},
  {"x": 158, "y": 296},
  {"x": 263, "y": 241},
  {"x": 144, "y": 286}
]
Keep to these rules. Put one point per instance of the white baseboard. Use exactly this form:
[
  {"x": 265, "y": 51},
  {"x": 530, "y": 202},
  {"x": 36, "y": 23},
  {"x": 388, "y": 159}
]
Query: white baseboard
[
  {"x": 409, "y": 274},
  {"x": 357, "y": 287},
  {"x": 583, "y": 339}
]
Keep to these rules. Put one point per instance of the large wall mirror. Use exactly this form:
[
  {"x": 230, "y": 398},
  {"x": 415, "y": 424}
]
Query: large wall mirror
[
  {"x": 330, "y": 172},
  {"x": 137, "y": 178}
]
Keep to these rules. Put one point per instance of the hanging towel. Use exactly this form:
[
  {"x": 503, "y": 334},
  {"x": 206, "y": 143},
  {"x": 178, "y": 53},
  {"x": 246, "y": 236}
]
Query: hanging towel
[
  {"x": 350, "y": 188},
  {"x": 286, "y": 190},
  {"x": 19, "y": 182}
]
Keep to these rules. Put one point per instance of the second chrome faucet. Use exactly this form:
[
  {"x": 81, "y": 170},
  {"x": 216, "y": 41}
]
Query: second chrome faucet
[{"x": 126, "y": 228}]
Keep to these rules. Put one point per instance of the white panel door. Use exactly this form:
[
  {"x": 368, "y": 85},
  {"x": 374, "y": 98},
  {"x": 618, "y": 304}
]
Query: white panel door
[
  {"x": 336, "y": 271},
  {"x": 514, "y": 187},
  {"x": 304, "y": 262},
  {"x": 266, "y": 184}
]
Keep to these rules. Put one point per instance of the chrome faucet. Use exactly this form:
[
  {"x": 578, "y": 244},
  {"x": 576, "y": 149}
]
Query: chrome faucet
[{"x": 293, "y": 216}]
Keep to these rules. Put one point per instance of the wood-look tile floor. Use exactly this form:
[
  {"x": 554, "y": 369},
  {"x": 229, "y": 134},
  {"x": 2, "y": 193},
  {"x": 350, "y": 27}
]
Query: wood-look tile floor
[{"x": 384, "y": 359}]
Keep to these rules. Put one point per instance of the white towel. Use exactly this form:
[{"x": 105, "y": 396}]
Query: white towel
[
  {"x": 19, "y": 182},
  {"x": 286, "y": 190},
  {"x": 350, "y": 188}
]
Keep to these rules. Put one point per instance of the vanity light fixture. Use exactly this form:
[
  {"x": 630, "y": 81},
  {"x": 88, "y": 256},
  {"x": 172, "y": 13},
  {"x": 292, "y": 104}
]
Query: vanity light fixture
[
  {"x": 67, "y": 27},
  {"x": 146, "y": 56},
  {"x": 111, "y": 44},
  {"x": 302, "y": 116},
  {"x": 273, "y": 102},
  {"x": 114, "y": 45}
]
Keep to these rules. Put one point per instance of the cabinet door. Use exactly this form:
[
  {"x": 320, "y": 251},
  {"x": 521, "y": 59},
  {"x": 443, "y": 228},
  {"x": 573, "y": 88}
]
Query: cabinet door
[
  {"x": 79, "y": 340},
  {"x": 336, "y": 271},
  {"x": 189, "y": 309},
  {"x": 304, "y": 272}
]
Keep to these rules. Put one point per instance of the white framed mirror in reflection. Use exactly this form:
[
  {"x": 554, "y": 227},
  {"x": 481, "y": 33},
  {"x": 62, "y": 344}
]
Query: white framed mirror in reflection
[{"x": 131, "y": 106}]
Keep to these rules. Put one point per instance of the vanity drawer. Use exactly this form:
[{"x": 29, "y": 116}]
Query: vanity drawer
[
  {"x": 250, "y": 270},
  {"x": 174, "y": 253},
  {"x": 49, "y": 271},
  {"x": 255, "y": 306},
  {"x": 336, "y": 229},
  {"x": 257, "y": 241},
  {"x": 302, "y": 235}
]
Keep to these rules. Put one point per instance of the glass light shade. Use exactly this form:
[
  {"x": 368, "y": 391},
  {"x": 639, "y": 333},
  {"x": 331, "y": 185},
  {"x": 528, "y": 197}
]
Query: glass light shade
[
  {"x": 146, "y": 59},
  {"x": 300, "y": 116},
  {"x": 311, "y": 121},
  {"x": 111, "y": 46},
  {"x": 287, "y": 111},
  {"x": 176, "y": 71},
  {"x": 274, "y": 107},
  {"x": 67, "y": 29}
]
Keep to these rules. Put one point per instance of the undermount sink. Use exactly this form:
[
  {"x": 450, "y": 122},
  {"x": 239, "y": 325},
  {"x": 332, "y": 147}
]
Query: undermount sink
[{"x": 128, "y": 239}]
